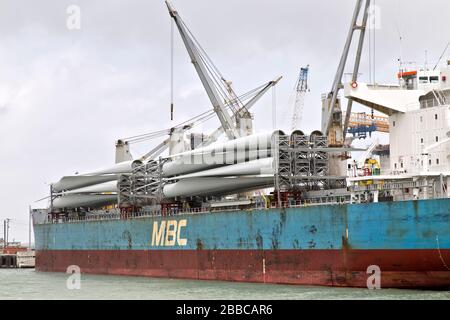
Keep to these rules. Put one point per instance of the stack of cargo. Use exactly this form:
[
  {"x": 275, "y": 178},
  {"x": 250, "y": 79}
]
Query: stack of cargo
[{"x": 219, "y": 169}]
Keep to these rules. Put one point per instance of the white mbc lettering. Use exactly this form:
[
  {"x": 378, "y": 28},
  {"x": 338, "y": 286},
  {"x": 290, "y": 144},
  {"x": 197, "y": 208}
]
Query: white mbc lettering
[{"x": 167, "y": 233}]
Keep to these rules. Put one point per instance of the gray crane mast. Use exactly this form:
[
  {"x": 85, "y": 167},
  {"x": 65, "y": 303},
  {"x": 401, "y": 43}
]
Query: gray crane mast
[{"x": 332, "y": 124}]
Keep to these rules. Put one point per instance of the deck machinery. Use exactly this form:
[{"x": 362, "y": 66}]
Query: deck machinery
[
  {"x": 270, "y": 207},
  {"x": 298, "y": 162}
]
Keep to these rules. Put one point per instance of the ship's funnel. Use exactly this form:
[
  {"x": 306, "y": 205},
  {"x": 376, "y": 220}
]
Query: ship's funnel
[
  {"x": 297, "y": 133},
  {"x": 214, "y": 186},
  {"x": 251, "y": 168},
  {"x": 231, "y": 152},
  {"x": 119, "y": 168}
]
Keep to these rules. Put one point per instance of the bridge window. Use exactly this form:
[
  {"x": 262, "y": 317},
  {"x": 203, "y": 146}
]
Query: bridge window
[
  {"x": 434, "y": 79},
  {"x": 423, "y": 79},
  {"x": 437, "y": 161},
  {"x": 435, "y": 116},
  {"x": 437, "y": 139}
]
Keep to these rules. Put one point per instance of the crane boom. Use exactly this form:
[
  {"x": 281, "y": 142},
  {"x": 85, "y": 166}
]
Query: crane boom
[
  {"x": 337, "y": 83},
  {"x": 156, "y": 151},
  {"x": 219, "y": 131},
  {"x": 258, "y": 96},
  {"x": 208, "y": 83},
  {"x": 301, "y": 88},
  {"x": 160, "y": 148}
]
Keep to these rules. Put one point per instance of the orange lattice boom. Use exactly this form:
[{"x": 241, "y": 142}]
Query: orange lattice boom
[{"x": 364, "y": 119}]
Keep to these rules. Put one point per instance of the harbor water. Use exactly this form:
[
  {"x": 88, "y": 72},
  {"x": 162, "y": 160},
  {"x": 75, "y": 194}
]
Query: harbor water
[{"x": 29, "y": 284}]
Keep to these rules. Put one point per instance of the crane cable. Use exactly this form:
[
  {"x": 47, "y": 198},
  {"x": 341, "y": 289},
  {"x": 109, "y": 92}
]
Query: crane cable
[
  {"x": 372, "y": 46},
  {"x": 171, "y": 66},
  {"x": 211, "y": 67},
  {"x": 274, "y": 108},
  {"x": 440, "y": 58},
  {"x": 201, "y": 118}
]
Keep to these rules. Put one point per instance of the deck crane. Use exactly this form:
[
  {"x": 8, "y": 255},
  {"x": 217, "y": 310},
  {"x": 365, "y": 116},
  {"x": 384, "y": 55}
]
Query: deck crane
[
  {"x": 243, "y": 118},
  {"x": 160, "y": 148},
  {"x": 360, "y": 124},
  {"x": 242, "y": 113},
  {"x": 332, "y": 124},
  {"x": 249, "y": 99},
  {"x": 426, "y": 152},
  {"x": 301, "y": 87},
  {"x": 367, "y": 154},
  {"x": 208, "y": 74}
]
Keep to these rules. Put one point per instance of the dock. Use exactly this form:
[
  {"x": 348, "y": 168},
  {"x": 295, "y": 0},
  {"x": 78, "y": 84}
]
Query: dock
[{"x": 16, "y": 257}]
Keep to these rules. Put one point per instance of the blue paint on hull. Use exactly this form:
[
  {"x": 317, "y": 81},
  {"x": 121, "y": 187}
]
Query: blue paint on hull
[{"x": 401, "y": 225}]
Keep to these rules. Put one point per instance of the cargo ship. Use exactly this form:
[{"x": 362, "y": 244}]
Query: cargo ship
[{"x": 271, "y": 207}]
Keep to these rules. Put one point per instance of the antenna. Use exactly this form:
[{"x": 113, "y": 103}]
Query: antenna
[
  {"x": 171, "y": 67},
  {"x": 400, "y": 37}
]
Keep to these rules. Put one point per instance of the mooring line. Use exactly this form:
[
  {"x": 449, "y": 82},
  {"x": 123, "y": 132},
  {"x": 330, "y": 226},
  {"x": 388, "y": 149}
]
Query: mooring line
[{"x": 440, "y": 254}]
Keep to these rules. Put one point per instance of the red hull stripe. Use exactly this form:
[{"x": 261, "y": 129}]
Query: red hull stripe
[{"x": 399, "y": 268}]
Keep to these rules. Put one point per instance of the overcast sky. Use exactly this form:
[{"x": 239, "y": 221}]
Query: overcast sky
[{"x": 67, "y": 95}]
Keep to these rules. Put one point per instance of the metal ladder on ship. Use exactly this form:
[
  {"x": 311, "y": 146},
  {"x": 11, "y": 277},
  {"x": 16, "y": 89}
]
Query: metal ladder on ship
[{"x": 440, "y": 97}]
